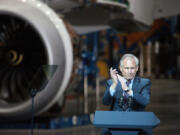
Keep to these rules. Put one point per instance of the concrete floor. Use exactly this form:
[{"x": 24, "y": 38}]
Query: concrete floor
[
  {"x": 165, "y": 103},
  {"x": 83, "y": 130}
]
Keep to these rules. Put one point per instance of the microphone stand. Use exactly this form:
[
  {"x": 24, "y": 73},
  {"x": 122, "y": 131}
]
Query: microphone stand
[
  {"x": 35, "y": 89},
  {"x": 33, "y": 94}
]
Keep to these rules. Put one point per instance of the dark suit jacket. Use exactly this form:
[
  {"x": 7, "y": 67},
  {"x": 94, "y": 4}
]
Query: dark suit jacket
[{"x": 141, "y": 95}]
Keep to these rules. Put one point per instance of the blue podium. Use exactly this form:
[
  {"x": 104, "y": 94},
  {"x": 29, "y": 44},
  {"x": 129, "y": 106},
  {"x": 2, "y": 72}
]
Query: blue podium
[{"x": 126, "y": 123}]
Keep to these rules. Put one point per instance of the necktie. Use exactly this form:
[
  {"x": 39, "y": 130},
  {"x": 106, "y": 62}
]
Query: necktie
[
  {"x": 128, "y": 82},
  {"x": 125, "y": 93},
  {"x": 125, "y": 105}
]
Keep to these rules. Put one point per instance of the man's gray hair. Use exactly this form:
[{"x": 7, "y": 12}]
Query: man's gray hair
[{"x": 130, "y": 56}]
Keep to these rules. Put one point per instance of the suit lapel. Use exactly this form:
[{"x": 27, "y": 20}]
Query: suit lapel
[
  {"x": 135, "y": 86},
  {"x": 119, "y": 89}
]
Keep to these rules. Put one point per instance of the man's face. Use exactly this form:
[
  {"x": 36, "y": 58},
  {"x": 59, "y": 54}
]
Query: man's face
[{"x": 129, "y": 68}]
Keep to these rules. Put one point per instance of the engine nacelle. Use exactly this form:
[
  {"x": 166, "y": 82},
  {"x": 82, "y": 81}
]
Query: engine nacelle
[{"x": 31, "y": 36}]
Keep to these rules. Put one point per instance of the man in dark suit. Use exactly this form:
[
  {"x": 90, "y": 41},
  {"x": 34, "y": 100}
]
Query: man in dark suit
[{"x": 127, "y": 92}]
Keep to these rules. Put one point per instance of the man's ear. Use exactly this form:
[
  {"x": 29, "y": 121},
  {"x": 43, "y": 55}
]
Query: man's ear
[
  {"x": 120, "y": 68},
  {"x": 137, "y": 67}
]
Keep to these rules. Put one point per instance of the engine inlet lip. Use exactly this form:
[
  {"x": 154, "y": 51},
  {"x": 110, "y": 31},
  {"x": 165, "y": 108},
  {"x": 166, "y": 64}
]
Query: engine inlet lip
[{"x": 59, "y": 52}]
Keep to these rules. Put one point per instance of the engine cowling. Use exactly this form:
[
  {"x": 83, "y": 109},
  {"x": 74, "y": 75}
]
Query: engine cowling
[{"x": 32, "y": 36}]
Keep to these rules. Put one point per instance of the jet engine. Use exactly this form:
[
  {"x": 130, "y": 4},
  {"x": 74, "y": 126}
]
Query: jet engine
[{"x": 32, "y": 37}]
